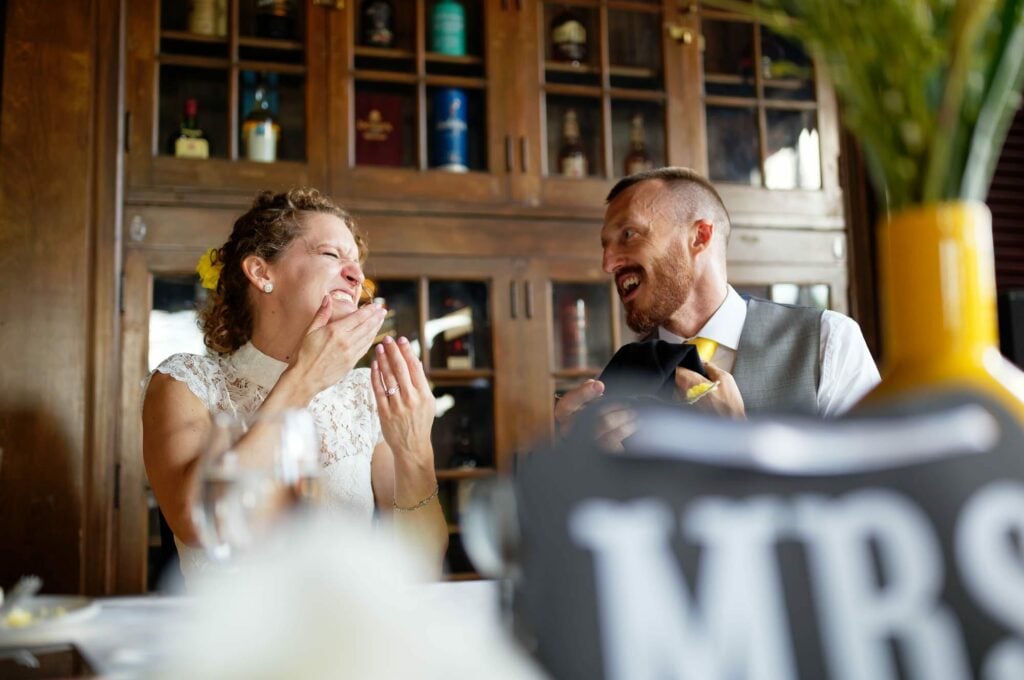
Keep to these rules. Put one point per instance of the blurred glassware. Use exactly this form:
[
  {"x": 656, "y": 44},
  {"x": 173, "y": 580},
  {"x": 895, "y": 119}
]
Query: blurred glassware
[{"x": 253, "y": 472}]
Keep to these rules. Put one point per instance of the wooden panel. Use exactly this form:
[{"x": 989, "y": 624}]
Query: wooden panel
[
  {"x": 1006, "y": 200},
  {"x": 768, "y": 246},
  {"x": 47, "y": 232}
]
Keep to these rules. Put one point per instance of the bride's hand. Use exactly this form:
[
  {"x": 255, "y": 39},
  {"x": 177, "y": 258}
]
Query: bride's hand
[
  {"x": 404, "y": 401},
  {"x": 330, "y": 349}
]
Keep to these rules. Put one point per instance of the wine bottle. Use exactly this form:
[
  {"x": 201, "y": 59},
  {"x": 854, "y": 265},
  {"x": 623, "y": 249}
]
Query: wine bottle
[
  {"x": 189, "y": 140},
  {"x": 572, "y": 158},
  {"x": 458, "y": 338},
  {"x": 378, "y": 23},
  {"x": 260, "y": 131},
  {"x": 448, "y": 28},
  {"x": 574, "y": 333},
  {"x": 275, "y": 18},
  {"x": 568, "y": 38},
  {"x": 463, "y": 451},
  {"x": 637, "y": 160}
]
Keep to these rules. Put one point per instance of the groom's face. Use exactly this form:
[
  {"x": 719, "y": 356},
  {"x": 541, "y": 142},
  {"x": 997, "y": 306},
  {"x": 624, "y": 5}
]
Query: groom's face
[{"x": 644, "y": 248}]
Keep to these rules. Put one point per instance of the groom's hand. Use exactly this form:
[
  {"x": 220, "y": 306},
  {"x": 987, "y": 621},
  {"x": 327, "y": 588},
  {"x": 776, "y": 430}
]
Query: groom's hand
[{"x": 573, "y": 401}]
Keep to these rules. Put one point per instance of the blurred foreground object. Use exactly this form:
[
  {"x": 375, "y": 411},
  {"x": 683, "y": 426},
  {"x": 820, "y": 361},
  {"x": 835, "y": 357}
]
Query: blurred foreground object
[
  {"x": 334, "y": 599},
  {"x": 929, "y": 88},
  {"x": 871, "y": 548}
]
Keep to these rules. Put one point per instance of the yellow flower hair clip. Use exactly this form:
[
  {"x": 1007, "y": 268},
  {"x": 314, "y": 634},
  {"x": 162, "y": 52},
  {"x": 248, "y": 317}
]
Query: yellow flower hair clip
[{"x": 208, "y": 268}]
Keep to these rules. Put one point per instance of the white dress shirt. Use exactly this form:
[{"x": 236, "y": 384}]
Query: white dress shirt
[{"x": 847, "y": 370}]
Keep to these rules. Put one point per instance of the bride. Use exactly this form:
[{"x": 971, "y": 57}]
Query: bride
[{"x": 285, "y": 326}]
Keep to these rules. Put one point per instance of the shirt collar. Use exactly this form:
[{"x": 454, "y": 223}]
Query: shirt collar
[
  {"x": 257, "y": 367},
  {"x": 724, "y": 326}
]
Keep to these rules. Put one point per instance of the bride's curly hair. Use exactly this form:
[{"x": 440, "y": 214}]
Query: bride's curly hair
[{"x": 273, "y": 222}]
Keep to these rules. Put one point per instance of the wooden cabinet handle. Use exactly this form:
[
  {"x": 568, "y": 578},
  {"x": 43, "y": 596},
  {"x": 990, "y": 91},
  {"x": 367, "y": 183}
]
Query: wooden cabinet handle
[
  {"x": 524, "y": 158},
  {"x": 513, "y": 298},
  {"x": 529, "y": 299},
  {"x": 508, "y": 153}
]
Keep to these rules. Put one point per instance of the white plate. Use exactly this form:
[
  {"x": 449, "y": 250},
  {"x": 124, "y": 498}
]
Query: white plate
[{"x": 44, "y": 611}]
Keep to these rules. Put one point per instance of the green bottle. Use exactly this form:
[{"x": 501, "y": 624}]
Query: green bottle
[{"x": 448, "y": 28}]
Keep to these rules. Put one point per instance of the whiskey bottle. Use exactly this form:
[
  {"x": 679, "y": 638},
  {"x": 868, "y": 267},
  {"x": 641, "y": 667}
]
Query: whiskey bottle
[
  {"x": 574, "y": 333},
  {"x": 458, "y": 337},
  {"x": 260, "y": 131},
  {"x": 463, "y": 451},
  {"x": 275, "y": 18},
  {"x": 568, "y": 38},
  {"x": 572, "y": 159},
  {"x": 378, "y": 23},
  {"x": 448, "y": 28},
  {"x": 189, "y": 140},
  {"x": 637, "y": 160},
  {"x": 451, "y": 130}
]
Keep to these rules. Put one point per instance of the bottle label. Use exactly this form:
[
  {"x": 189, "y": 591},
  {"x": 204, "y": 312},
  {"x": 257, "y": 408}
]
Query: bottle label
[
  {"x": 638, "y": 165},
  {"x": 191, "y": 147},
  {"x": 574, "y": 166},
  {"x": 449, "y": 30},
  {"x": 569, "y": 32},
  {"x": 461, "y": 363},
  {"x": 202, "y": 20},
  {"x": 378, "y": 21},
  {"x": 260, "y": 140}
]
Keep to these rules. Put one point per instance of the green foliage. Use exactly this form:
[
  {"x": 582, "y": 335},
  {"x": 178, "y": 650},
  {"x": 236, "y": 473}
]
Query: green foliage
[{"x": 928, "y": 87}]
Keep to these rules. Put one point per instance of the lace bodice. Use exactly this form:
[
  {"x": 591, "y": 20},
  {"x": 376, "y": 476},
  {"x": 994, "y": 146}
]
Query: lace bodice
[{"x": 345, "y": 416}]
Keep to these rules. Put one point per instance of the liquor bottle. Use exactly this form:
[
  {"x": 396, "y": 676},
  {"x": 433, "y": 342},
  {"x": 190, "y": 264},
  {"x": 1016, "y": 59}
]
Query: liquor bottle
[
  {"x": 451, "y": 132},
  {"x": 189, "y": 141},
  {"x": 568, "y": 38},
  {"x": 637, "y": 160},
  {"x": 378, "y": 23},
  {"x": 458, "y": 339},
  {"x": 574, "y": 333},
  {"x": 202, "y": 17},
  {"x": 463, "y": 451},
  {"x": 275, "y": 18},
  {"x": 572, "y": 159},
  {"x": 221, "y": 16},
  {"x": 448, "y": 28},
  {"x": 260, "y": 131}
]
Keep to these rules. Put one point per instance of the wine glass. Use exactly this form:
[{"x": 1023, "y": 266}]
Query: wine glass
[{"x": 253, "y": 472}]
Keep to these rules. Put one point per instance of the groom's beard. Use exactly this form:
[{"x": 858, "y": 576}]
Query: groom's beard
[{"x": 667, "y": 288}]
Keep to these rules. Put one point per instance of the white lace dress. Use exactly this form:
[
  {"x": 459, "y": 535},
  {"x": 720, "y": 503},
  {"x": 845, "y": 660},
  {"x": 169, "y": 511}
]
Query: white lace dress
[{"x": 345, "y": 415}]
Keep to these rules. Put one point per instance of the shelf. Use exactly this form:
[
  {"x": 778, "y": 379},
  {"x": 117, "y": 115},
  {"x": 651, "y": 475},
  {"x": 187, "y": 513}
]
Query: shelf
[
  {"x": 450, "y": 375},
  {"x": 385, "y": 76},
  {"x": 193, "y": 62},
  {"x": 383, "y": 53},
  {"x": 188, "y": 36},
  {"x": 463, "y": 576},
  {"x": 632, "y": 72},
  {"x": 567, "y": 67},
  {"x": 271, "y": 66},
  {"x": 576, "y": 372},
  {"x": 465, "y": 473},
  {"x": 272, "y": 44},
  {"x": 464, "y": 59}
]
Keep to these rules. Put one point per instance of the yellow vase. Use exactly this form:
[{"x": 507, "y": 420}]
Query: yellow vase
[{"x": 939, "y": 307}]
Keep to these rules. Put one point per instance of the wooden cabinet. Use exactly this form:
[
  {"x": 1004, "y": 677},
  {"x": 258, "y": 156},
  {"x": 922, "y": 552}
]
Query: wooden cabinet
[{"x": 495, "y": 268}]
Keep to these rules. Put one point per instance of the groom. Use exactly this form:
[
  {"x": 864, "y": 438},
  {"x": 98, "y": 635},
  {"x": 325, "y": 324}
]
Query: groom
[{"x": 664, "y": 240}]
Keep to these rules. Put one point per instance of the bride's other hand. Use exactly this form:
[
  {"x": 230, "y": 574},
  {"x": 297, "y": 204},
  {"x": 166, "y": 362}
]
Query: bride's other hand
[
  {"x": 330, "y": 349},
  {"x": 404, "y": 401}
]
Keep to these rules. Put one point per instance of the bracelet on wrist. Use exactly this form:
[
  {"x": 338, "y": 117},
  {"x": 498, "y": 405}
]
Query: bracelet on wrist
[{"x": 422, "y": 503}]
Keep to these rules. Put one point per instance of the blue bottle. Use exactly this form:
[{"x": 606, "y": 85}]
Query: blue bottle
[
  {"x": 448, "y": 28},
  {"x": 451, "y": 132}
]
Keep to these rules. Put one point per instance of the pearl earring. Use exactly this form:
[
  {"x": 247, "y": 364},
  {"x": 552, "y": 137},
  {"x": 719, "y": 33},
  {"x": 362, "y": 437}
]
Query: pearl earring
[{"x": 268, "y": 287}]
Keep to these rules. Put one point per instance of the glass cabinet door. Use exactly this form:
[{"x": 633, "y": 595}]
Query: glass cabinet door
[
  {"x": 451, "y": 320},
  {"x": 231, "y": 99},
  {"x": 417, "y": 101},
  {"x": 602, "y": 95}
]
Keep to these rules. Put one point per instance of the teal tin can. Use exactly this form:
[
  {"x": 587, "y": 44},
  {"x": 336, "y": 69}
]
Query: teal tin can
[{"x": 448, "y": 28}]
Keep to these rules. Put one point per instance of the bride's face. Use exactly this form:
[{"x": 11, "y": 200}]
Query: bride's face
[{"x": 322, "y": 261}]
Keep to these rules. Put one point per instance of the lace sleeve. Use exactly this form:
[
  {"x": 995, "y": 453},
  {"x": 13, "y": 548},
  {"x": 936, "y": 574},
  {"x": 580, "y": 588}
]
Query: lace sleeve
[
  {"x": 201, "y": 375},
  {"x": 371, "y": 401}
]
